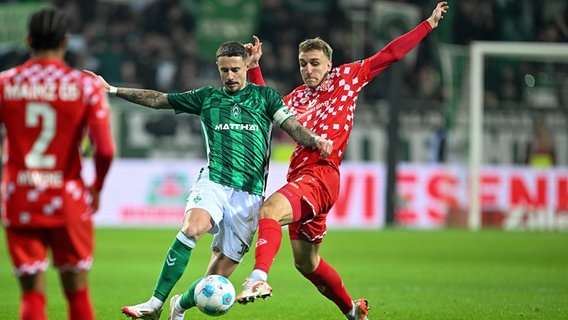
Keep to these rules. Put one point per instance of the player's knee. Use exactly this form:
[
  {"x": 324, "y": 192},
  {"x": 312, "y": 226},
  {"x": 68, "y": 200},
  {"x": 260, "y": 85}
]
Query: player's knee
[
  {"x": 268, "y": 212},
  {"x": 275, "y": 212},
  {"x": 198, "y": 224},
  {"x": 192, "y": 232},
  {"x": 304, "y": 266}
]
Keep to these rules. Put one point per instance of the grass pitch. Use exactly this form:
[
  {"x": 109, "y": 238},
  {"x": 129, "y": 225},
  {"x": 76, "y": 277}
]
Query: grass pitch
[{"x": 445, "y": 274}]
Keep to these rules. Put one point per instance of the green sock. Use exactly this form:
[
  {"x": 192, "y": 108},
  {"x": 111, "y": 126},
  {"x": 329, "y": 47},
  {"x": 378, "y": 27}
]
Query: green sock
[
  {"x": 173, "y": 268},
  {"x": 188, "y": 298}
]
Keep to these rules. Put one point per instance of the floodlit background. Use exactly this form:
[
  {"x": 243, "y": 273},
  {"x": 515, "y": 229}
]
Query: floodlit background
[
  {"x": 440, "y": 144},
  {"x": 413, "y": 129}
]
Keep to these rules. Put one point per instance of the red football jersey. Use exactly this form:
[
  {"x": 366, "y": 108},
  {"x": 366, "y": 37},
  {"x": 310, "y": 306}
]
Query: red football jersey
[
  {"x": 328, "y": 109},
  {"x": 47, "y": 108}
]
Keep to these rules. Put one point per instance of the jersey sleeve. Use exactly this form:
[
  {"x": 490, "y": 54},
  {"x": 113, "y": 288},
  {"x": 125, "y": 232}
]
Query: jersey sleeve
[
  {"x": 101, "y": 137},
  {"x": 100, "y": 134},
  {"x": 282, "y": 115},
  {"x": 276, "y": 107},
  {"x": 398, "y": 48},
  {"x": 255, "y": 76},
  {"x": 189, "y": 101}
]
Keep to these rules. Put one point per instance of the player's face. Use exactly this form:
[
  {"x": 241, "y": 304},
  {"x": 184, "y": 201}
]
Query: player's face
[
  {"x": 314, "y": 66},
  {"x": 233, "y": 72}
]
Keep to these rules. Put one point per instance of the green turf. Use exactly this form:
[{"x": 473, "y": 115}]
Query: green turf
[{"x": 405, "y": 274}]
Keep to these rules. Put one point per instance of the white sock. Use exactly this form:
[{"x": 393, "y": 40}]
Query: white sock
[
  {"x": 351, "y": 313},
  {"x": 157, "y": 303},
  {"x": 258, "y": 275},
  {"x": 178, "y": 306}
]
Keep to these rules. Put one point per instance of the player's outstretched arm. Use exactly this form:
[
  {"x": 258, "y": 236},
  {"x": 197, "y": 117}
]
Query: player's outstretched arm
[
  {"x": 438, "y": 14},
  {"x": 144, "y": 97},
  {"x": 306, "y": 137},
  {"x": 399, "y": 47}
]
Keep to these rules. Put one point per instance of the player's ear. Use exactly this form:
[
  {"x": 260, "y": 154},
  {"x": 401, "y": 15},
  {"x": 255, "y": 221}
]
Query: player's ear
[
  {"x": 28, "y": 41},
  {"x": 64, "y": 43}
]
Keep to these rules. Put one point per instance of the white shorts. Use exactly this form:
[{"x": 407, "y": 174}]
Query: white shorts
[{"x": 234, "y": 212}]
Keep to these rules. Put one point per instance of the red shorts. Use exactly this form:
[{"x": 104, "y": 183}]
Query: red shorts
[
  {"x": 312, "y": 192},
  {"x": 71, "y": 247}
]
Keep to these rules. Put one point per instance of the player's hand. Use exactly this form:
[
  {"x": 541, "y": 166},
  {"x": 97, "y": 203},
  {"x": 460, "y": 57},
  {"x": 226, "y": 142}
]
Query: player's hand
[
  {"x": 94, "y": 197},
  {"x": 254, "y": 52},
  {"x": 105, "y": 84},
  {"x": 325, "y": 147},
  {"x": 437, "y": 14}
]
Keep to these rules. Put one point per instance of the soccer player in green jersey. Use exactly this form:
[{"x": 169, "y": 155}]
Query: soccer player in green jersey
[{"x": 236, "y": 124}]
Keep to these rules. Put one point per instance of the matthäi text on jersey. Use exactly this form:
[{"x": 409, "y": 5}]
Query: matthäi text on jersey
[{"x": 237, "y": 126}]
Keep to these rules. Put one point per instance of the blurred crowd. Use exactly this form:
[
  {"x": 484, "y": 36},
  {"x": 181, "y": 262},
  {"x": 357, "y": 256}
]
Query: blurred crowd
[{"x": 152, "y": 43}]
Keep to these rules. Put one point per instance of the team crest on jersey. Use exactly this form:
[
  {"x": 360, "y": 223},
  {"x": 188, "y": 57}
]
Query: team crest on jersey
[
  {"x": 236, "y": 110},
  {"x": 325, "y": 85}
]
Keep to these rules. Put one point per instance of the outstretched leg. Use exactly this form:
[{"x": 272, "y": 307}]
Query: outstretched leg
[
  {"x": 274, "y": 213},
  {"x": 196, "y": 223},
  {"x": 173, "y": 268},
  {"x": 219, "y": 264},
  {"x": 326, "y": 279}
]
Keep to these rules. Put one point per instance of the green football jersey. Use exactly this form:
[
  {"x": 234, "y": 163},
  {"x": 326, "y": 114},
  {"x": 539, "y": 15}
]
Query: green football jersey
[{"x": 237, "y": 130}]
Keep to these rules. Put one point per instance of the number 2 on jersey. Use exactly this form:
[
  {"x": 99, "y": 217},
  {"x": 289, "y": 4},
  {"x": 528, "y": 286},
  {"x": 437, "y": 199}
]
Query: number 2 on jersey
[{"x": 36, "y": 157}]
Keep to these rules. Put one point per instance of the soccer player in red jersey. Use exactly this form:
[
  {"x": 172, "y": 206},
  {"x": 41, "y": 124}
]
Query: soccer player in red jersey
[
  {"x": 46, "y": 109},
  {"x": 325, "y": 103}
]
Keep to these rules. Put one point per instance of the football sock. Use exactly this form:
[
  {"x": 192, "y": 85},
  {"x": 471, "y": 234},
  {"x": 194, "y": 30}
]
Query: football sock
[
  {"x": 174, "y": 265},
  {"x": 329, "y": 283},
  {"x": 155, "y": 303},
  {"x": 33, "y": 306},
  {"x": 80, "y": 307},
  {"x": 268, "y": 244},
  {"x": 259, "y": 275},
  {"x": 352, "y": 313},
  {"x": 187, "y": 300}
]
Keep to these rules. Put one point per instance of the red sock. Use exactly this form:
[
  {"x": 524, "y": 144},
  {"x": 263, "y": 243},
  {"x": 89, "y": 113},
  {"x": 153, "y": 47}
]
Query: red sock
[
  {"x": 268, "y": 244},
  {"x": 33, "y": 306},
  {"x": 329, "y": 283},
  {"x": 80, "y": 307}
]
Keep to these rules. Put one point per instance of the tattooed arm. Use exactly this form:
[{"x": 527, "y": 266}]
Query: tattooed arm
[
  {"x": 306, "y": 137},
  {"x": 144, "y": 97}
]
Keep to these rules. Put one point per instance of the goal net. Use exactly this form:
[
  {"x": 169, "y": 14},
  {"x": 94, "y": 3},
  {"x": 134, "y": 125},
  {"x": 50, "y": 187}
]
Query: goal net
[{"x": 496, "y": 92}]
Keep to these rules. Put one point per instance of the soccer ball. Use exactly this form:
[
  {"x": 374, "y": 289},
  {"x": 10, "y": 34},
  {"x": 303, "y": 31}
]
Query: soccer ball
[{"x": 214, "y": 295}]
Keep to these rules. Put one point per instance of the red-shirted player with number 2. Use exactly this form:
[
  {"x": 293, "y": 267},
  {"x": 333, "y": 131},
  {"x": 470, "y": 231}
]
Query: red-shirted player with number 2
[
  {"x": 325, "y": 103},
  {"x": 46, "y": 109}
]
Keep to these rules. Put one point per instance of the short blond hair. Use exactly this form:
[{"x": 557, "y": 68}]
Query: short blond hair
[{"x": 316, "y": 44}]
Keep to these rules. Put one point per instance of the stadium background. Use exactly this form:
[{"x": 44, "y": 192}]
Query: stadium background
[
  {"x": 441, "y": 273},
  {"x": 411, "y": 120}
]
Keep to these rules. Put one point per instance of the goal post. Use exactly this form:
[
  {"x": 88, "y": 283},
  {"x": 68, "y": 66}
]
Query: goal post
[{"x": 478, "y": 52}]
